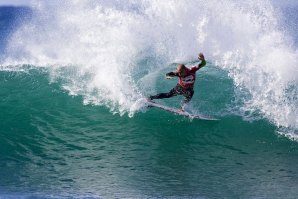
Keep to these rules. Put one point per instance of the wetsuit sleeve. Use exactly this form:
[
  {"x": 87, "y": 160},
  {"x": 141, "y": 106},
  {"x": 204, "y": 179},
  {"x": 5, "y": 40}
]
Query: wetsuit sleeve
[
  {"x": 202, "y": 64},
  {"x": 196, "y": 68},
  {"x": 172, "y": 74}
]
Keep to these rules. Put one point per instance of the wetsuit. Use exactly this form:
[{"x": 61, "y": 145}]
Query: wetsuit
[{"x": 185, "y": 84}]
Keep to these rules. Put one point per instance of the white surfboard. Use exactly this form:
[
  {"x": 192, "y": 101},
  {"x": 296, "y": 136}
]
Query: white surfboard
[{"x": 180, "y": 112}]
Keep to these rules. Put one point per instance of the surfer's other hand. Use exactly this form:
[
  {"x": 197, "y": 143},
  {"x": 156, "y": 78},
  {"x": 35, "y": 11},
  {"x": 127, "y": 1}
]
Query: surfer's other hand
[
  {"x": 168, "y": 77},
  {"x": 201, "y": 56}
]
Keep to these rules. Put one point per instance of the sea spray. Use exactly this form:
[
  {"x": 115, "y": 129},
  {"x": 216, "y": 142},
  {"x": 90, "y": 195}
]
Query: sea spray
[{"x": 115, "y": 48}]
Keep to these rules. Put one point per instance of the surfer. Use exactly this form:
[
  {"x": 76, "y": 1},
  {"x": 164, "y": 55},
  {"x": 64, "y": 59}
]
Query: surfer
[{"x": 185, "y": 85}]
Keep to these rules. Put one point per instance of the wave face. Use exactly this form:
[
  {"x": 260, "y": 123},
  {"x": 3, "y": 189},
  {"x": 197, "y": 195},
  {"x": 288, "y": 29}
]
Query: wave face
[
  {"x": 65, "y": 67},
  {"x": 112, "y": 52}
]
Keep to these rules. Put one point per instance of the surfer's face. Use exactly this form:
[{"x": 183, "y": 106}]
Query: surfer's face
[{"x": 181, "y": 70}]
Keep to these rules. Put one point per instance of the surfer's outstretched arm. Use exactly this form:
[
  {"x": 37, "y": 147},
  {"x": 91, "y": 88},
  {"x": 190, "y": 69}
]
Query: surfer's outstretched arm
[
  {"x": 171, "y": 74},
  {"x": 203, "y": 61},
  {"x": 202, "y": 64}
]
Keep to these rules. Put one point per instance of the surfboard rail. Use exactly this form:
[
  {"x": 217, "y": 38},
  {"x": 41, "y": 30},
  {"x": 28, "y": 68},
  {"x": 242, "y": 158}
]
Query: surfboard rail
[{"x": 180, "y": 112}]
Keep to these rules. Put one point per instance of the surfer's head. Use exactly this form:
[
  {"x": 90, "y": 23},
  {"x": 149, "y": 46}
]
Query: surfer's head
[{"x": 181, "y": 69}]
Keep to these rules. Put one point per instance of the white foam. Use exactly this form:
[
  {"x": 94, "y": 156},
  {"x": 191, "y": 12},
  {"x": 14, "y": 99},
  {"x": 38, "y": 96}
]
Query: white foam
[{"x": 107, "y": 41}]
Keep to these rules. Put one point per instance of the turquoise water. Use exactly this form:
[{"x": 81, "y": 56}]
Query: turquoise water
[
  {"x": 53, "y": 145},
  {"x": 71, "y": 75}
]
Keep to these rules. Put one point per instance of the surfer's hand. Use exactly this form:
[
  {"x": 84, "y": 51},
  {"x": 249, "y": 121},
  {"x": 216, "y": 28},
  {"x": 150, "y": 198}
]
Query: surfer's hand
[
  {"x": 168, "y": 77},
  {"x": 201, "y": 56}
]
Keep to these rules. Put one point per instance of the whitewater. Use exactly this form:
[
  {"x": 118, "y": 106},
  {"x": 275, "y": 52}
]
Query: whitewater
[
  {"x": 111, "y": 52},
  {"x": 107, "y": 41}
]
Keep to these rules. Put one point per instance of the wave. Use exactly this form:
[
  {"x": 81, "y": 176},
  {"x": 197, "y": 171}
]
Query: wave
[{"x": 112, "y": 53}]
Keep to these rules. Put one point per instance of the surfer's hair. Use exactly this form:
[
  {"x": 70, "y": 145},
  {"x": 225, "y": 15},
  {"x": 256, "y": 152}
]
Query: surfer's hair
[{"x": 180, "y": 67}]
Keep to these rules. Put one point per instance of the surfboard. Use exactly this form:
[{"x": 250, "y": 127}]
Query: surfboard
[{"x": 180, "y": 112}]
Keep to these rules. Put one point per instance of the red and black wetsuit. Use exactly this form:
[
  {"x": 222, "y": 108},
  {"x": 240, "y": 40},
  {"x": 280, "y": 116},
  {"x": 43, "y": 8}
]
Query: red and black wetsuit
[{"x": 185, "y": 84}]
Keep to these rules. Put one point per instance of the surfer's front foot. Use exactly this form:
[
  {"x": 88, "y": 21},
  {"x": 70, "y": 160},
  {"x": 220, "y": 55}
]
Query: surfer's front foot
[{"x": 149, "y": 99}]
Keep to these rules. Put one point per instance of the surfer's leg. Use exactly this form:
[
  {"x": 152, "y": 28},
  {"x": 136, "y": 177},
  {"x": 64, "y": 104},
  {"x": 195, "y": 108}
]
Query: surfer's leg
[
  {"x": 187, "y": 97},
  {"x": 162, "y": 95},
  {"x": 172, "y": 93}
]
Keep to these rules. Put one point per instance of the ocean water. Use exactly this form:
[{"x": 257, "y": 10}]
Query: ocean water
[{"x": 71, "y": 75}]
